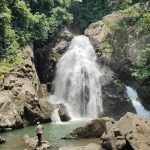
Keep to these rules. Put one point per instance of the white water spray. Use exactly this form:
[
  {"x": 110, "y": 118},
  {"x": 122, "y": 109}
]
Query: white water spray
[
  {"x": 138, "y": 106},
  {"x": 55, "y": 115},
  {"x": 77, "y": 81}
]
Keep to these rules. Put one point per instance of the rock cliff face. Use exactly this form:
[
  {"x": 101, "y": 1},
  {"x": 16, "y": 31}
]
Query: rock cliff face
[
  {"x": 115, "y": 100},
  {"x": 19, "y": 101},
  {"x": 118, "y": 41},
  {"x": 113, "y": 91},
  {"x": 46, "y": 61}
]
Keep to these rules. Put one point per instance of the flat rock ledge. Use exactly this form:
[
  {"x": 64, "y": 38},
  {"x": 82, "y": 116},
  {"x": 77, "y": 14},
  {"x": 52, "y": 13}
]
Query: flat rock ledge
[
  {"x": 90, "y": 146},
  {"x": 32, "y": 142}
]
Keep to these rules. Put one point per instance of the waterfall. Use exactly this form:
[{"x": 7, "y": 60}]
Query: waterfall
[
  {"x": 55, "y": 115},
  {"x": 77, "y": 82},
  {"x": 138, "y": 106}
]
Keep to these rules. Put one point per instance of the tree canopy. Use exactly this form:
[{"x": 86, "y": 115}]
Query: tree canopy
[{"x": 25, "y": 21}]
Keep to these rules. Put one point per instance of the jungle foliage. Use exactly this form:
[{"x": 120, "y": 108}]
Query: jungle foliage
[{"x": 24, "y": 21}]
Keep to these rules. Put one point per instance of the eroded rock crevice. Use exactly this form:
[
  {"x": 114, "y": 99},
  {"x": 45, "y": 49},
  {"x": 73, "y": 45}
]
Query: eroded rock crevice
[{"x": 47, "y": 54}]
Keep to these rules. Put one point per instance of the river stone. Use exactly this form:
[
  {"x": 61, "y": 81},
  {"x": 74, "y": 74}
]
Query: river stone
[
  {"x": 90, "y": 146},
  {"x": 2, "y": 140},
  {"x": 32, "y": 142},
  {"x": 63, "y": 113}
]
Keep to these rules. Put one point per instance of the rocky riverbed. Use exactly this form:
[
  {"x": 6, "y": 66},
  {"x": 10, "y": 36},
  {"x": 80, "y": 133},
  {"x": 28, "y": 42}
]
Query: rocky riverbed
[{"x": 131, "y": 132}]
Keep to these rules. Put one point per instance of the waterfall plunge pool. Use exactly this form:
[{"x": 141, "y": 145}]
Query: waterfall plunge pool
[{"x": 53, "y": 133}]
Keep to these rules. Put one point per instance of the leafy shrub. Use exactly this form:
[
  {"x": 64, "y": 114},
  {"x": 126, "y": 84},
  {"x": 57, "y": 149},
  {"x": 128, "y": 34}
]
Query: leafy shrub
[{"x": 143, "y": 68}]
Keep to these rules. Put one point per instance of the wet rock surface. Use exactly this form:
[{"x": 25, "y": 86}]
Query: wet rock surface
[
  {"x": 63, "y": 113},
  {"x": 93, "y": 129},
  {"x": 116, "y": 103},
  {"x": 32, "y": 142}
]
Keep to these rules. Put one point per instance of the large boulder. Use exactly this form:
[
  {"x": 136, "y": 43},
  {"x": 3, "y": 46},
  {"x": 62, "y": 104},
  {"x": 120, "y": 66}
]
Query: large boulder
[
  {"x": 32, "y": 142},
  {"x": 94, "y": 129},
  {"x": 2, "y": 140},
  {"x": 10, "y": 114},
  {"x": 63, "y": 113},
  {"x": 131, "y": 132},
  {"x": 40, "y": 110}
]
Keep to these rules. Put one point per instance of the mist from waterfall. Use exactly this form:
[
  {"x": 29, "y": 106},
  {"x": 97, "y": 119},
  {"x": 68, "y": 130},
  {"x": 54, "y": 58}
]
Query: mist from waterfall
[{"x": 77, "y": 82}]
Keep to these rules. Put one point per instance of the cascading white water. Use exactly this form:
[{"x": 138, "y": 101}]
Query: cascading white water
[
  {"x": 55, "y": 115},
  {"x": 77, "y": 81},
  {"x": 138, "y": 106}
]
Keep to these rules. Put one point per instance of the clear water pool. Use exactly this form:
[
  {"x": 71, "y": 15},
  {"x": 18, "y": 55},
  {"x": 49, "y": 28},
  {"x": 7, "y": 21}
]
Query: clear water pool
[{"x": 52, "y": 133}]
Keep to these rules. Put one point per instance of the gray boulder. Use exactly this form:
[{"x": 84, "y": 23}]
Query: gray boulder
[
  {"x": 2, "y": 140},
  {"x": 40, "y": 110},
  {"x": 94, "y": 129},
  {"x": 10, "y": 116},
  {"x": 63, "y": 113},
  {"x": 131, "y": 132},
  {"x": 32, "y": 142}
]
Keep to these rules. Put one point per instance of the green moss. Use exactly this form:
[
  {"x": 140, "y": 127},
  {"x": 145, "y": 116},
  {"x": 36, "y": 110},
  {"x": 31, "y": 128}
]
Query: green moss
[
  {"x": 114, "y": 25},
  {"x": 19, "y": 60},
  {"x": 106, "y": 47},
  {"x": 4, "y": 65},
  {"x": 131, "y": 10},
  {"x": 144, "y": 22},
  {"x": 8, "y": 64}
]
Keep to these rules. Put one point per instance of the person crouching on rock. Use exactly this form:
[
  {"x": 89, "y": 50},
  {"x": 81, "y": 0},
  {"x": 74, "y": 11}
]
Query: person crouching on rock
[{"x": 39, "y": 130}]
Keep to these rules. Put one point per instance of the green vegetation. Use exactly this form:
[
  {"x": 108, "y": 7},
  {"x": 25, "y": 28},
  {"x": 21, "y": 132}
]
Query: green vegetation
[
  {"x": 144, "y": 22},
  {"x": 86, "y": 12},
  {"x": 143, "y": 68},
  {"x": 23, "y": 22}
]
